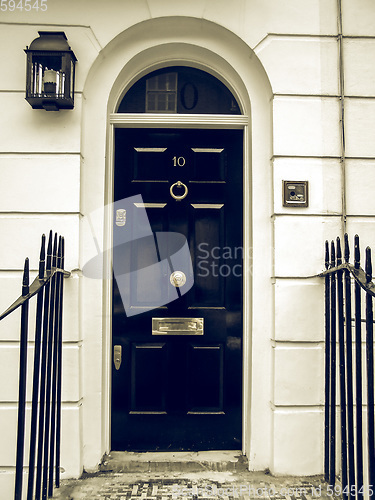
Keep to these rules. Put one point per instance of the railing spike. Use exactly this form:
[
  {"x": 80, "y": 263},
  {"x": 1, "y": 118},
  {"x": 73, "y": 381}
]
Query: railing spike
[
  {"x": 346, "y": 247},
  {"x": 370, "y": 371},
  {"x": 327, "y": 254},
  {"x": 59, "y": 363},
  {"x": 62, "y": 251},
  {"x": 358, "y": 376},
  {"x": 22, "y": 385},
  {"x": 55, "y": 240},
  {"x": 35, "y": 415},
  {"x": 42, "y": 258},
  {"x": 54, "y": 251},
  {"x": 59, "y": 253},
  {"x": 25, "y": 280},
  {"x": 357, "y": 252},
  {"x": 43, "y": 247},
  {"x": 368, "y": 265},
  {"x": 349, "y": 364},
  {"x": 333, "y": 254},
  {"x": 339, "y": 253},
  {"x": 49, "y": 253}
]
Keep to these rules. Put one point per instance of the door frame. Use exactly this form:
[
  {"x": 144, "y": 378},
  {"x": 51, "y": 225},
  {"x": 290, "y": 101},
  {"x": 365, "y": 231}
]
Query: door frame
[{"x": 173, "y": 121}]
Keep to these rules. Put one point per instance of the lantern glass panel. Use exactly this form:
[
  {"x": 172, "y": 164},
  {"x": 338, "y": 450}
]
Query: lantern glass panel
[{"x": 48, "y": 76}]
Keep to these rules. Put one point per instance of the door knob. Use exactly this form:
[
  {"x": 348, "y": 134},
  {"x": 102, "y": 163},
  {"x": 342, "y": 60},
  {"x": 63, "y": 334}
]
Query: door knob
[{"x": 177, "y": 279}]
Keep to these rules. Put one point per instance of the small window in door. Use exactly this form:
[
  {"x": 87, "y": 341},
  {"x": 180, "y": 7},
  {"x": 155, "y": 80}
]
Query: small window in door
[
  {"x": 161, "y": 93},
  {"x": 179, "y": 89}
]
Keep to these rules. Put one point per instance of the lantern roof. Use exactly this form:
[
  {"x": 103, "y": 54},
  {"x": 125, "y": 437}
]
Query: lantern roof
[{"x": 55, "y": 41}]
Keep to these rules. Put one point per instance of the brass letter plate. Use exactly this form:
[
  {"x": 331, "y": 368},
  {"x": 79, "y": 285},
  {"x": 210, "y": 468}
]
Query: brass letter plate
[{"x": 177, "y": 326}]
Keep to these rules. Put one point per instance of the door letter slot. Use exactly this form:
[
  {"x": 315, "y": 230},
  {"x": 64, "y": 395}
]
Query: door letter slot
[
  {"x": 177, "y": 326},
  {"x": 117, "y": 356}
]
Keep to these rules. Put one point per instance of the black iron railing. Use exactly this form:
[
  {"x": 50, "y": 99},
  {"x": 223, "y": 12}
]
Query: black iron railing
[
  {"x": 45, "y": 426},
  {"x": 349, "y": 439}
]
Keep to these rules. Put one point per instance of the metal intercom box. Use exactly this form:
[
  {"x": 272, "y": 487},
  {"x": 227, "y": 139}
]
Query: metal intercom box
[{"x": 295, "y": 193}]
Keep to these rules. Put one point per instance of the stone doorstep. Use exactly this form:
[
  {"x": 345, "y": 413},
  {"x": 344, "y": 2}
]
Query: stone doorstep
[
  {"x": 206, "y": 475},
  {"x": 204, "y": 485},
  {"x": 219, "y": 461}
]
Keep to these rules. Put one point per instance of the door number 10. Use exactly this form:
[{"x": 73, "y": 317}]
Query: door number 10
[{"x": 178, "y": 161}]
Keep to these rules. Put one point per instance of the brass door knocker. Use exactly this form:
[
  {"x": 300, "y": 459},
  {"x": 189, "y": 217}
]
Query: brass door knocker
[{"x": 175, "y": 196}]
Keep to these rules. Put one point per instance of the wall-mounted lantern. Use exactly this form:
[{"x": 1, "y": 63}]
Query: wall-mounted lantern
[{"x": 50, "y": 72}]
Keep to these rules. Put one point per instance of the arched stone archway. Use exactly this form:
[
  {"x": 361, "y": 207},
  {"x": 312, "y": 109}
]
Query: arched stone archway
[{"x": 135, "y": 52}]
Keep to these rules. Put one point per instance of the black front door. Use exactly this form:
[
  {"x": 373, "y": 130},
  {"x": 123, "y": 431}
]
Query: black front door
[{"x": 177, "y": 353}]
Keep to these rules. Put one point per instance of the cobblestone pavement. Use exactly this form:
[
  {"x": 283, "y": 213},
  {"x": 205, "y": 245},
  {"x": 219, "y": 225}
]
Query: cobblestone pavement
[{"x": 205, "y": 485}]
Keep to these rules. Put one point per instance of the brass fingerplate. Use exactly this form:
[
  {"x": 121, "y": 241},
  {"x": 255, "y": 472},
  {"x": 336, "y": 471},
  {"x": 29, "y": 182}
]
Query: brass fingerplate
[
  {"x": 117, "y": 356},
  {"x": 177, "y": 326}
]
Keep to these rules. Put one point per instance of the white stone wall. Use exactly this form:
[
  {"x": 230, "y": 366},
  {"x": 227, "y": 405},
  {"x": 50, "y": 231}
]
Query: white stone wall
[
  {"x": 49, "y": 178},
  {"x": 39, "y": 190},
  {"x": 304, "y": 76}
]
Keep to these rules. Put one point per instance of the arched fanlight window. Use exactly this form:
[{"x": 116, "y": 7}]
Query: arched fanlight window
[{"x": 179, "y": 89}]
